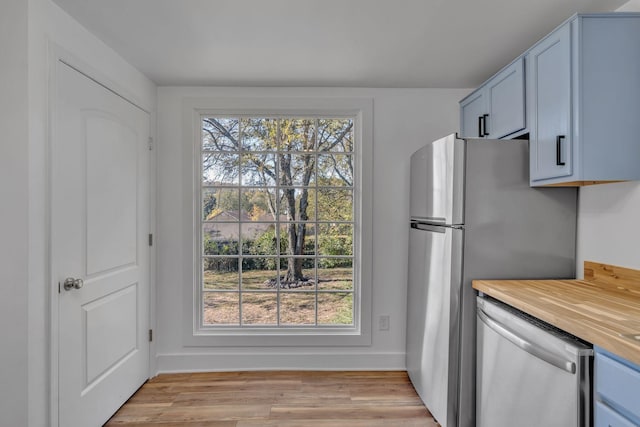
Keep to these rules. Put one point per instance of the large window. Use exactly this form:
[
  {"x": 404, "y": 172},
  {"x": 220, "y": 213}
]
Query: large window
[{"x": 277, "y": 222}]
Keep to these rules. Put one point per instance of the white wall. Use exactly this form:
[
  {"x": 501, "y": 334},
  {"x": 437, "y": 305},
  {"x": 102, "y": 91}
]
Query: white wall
[
  {"x": 608, "y": 226},
  {"x": 630, "y": 6},
  {"x": 403, "y": 121},
  {"x": 46, "y": 23},
  {"x": 13, "y": 208}
]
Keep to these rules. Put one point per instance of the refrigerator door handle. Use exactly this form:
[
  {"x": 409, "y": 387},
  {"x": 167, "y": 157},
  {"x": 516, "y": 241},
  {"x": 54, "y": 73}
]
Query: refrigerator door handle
[
  {"x": 428, "y": 227},
  {"x": 537, "y": 351}
]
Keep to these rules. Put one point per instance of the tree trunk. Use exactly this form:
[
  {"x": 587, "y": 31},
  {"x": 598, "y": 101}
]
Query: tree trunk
[
  {"x": 301, "y": 233},
  {"x": 294, "y": 265},
  {"x": 296, "y": 232}
]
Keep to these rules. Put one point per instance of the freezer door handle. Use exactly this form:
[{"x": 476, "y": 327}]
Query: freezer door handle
[
  {"x": 537, "y": 351},
  {"x": 428, "y": 227}
]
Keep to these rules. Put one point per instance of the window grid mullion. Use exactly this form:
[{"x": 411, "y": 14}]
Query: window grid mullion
[
  {"x": 200, "y": 234},
  {"x": 315, "y": 222},
  {"x": 240, "y": 235},
  {"x": 278, "y": 230}
]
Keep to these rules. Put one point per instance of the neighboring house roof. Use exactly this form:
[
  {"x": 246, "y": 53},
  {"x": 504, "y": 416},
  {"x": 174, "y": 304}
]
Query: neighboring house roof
[
  {"x": 226, "y": 227},
  {"x": 231, "y": 216}
]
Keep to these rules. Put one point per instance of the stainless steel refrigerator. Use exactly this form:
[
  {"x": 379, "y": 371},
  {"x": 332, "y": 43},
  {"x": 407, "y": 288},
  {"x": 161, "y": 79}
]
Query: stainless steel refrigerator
[{"x": 473, "y": 216}]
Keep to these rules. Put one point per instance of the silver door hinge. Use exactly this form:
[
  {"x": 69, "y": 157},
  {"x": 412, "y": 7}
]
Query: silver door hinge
[
  {"x": 150, "y": 335},
  {"x": 150, "y": 239},
  {"x": 150, "y": 143}
]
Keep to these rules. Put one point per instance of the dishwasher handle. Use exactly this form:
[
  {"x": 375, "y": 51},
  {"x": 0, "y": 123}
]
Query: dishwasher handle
[{"x": 531, "y": 348}]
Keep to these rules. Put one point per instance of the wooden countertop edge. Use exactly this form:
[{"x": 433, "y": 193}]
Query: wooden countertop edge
[{"x": 573, "y": 321}]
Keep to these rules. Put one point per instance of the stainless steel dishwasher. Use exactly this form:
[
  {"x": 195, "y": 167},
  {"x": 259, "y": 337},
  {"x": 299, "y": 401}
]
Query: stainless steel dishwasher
[{"x": 528, "y": 372}]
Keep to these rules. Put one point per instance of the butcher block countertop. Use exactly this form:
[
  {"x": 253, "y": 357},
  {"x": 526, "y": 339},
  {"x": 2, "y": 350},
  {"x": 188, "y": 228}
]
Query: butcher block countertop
[{"x": 603, "y": 309}]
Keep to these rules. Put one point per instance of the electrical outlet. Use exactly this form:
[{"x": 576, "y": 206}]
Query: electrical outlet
[{"x": 383, "y": 322}]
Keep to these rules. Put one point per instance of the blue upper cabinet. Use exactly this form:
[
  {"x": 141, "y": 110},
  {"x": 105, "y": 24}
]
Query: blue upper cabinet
[
  {"x": 472, "y": 115},
  {"x": 496, "y": 109},
  {"x": 549, "y": 106},
  {"x": 583, "y": 102},
  {"x": 505, "y": 95}
]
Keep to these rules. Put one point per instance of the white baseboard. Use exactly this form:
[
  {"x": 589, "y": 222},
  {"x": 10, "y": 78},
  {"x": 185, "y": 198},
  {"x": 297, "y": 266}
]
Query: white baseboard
[{"x": 194, "y": 362}]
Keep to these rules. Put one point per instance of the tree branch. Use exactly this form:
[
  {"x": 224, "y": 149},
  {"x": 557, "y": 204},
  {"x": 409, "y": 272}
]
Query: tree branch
[
  {"x": 337, "y": 171},
  {"x": 339, "y": 138},
  {"x": 216, "y": 124}
]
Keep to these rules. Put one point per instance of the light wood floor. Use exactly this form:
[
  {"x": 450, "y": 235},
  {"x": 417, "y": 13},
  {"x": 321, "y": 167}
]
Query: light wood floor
[{"x": 252, "y": 399}]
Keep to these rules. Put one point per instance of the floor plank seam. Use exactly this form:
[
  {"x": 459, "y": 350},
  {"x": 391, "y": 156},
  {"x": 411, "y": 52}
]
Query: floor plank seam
[{"x": 279, "y": 398}]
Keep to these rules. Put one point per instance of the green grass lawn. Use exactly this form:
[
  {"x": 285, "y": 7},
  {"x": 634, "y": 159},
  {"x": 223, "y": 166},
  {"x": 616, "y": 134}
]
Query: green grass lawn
[{"x": 329, "y": 278}]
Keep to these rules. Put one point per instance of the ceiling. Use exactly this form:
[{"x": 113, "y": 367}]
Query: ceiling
[{"x": 352, "y": 43}]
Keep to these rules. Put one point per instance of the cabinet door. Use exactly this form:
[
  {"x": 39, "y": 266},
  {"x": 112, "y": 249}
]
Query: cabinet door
[
  {"x": 549, "y": 107},
  {"x": 505, "y": 93},
  {"x": 472, "y": 110},
  {"x": 617, "y": 382},
  {"x": 607, "y": 417}
]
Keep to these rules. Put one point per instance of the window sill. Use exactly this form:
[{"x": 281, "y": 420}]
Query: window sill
[{"x": 264, "y": 337}]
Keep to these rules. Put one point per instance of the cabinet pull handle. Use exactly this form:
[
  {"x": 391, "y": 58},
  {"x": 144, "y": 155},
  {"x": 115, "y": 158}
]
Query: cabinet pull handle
[
  {"x": 484, "y": 124},
  {"x": 559, "y": 161},
  {"x": 480, "y": 132}
]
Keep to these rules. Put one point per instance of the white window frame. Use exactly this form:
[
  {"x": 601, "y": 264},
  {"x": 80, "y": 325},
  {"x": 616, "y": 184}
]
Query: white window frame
[{"x": 361, "y": 111}]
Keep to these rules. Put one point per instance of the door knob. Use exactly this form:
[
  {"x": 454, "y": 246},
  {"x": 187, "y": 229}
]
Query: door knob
[{"x": 71, "y": 283}]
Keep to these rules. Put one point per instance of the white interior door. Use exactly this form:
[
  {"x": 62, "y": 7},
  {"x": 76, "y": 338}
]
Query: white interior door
[{"x": 99, "y": 229}]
